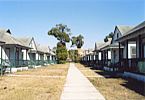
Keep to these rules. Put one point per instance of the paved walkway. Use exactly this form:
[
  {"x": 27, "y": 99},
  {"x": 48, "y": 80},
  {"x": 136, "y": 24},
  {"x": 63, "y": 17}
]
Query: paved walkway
[{"x": 77, "y": 86}]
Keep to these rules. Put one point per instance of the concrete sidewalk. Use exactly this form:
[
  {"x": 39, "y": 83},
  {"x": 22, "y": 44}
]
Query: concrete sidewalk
[{"x": 77, "y": 86}]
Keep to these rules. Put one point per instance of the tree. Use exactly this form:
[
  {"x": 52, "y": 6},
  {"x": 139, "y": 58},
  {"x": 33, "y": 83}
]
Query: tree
[
  {"x": 73, "y": 54},
  {"x": 77, "y": 41},
  {"x": 61, "y": 54},
  {"x": 54, "y": 48},
  {"x": 109, "y": 36},
  {"x": 62, "y": 33}
]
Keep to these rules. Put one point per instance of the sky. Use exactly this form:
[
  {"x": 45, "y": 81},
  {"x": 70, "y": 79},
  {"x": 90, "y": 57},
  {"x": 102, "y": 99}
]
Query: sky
[{"x": 93, "y": 19}]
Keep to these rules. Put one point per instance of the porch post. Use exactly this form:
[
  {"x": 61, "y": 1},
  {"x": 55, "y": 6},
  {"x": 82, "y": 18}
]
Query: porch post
[
  {"x": 119, "y": 55},
  {"x": 26, "y": 56},
  {"x": 21, "y": 58},
  {"x": 104, "y": 57},
  {"x": 14, "y": 56},
  {"x": 127, "y": 63},
  {"x": 38, "y": 58},
  {"x": 35, "y": 57},
  {"x": 107, "y": 57},
  {"x": 1, "y": 63},
  {"x": 140, "y": 46},
  {"x": 98, "y": 56},
  {"x": 111, "y": 54},
  {"x": 31, "y": 58},
  {"x": 127, "y": 49}
]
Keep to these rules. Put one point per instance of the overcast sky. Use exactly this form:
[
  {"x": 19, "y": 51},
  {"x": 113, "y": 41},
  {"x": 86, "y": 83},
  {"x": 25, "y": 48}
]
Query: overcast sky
[{"x": 94, "y": 19}]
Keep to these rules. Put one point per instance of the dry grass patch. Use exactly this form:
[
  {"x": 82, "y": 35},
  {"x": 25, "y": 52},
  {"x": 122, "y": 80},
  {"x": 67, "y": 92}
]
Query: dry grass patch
[
  {"x": 89, "y": 73},
  {"x": 81, "y": 67},
  {"x": 52, "y": 70},
  {"x": 118, "y": 88},
  {"x": 56, "y": 66},
  {"x": 31, "y": 88},
  {"x": 43, "y": 72}
]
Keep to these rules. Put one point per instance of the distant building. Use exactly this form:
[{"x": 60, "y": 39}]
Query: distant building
[{"x": 81, "y": 52}]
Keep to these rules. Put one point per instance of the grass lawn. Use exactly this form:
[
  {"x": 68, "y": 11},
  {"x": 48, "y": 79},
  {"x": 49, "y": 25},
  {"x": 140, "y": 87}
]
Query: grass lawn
[
  {"x": 34, "y": 87},
  {"x": 115, "y": 87},
  {"x": 51, "y": 70}
]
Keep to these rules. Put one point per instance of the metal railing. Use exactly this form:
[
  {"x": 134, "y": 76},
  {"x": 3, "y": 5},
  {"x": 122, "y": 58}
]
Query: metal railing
[{"x": 134, "y": 65}]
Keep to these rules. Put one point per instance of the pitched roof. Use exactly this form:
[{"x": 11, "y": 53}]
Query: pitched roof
[
  {"x": 105, "y": 44},
  {"x": 39, "y": 48},
  {"x": 8, "y": 38},
  {"x": 52, "y": 53},
  {"x": 138, "y": 27},
  {"x": 91, "y": 49},
  {"x": 124, "y": 29},
  {"x": 44, "y": 48},
  {"x": 98, "y": 44},
  {"x": 27, "y": 40}
]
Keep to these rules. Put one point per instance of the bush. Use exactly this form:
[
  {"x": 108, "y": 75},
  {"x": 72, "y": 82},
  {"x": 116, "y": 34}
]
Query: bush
[
  {"x": 76, "y": 61},
  {"x": 61, "y": 61}
]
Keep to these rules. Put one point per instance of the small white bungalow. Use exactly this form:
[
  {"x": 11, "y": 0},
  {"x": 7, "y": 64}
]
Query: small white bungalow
[
  {"x": 49, "y": 56},
  {"x": 31, "y": 56},
  {"x": 135, "y": 65},
  {"x": 11, "y": 51}
]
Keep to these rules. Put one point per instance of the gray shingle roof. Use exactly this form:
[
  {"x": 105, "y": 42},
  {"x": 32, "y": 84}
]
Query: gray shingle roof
[
  {"x": 52, "y": 53},
  {"x": 39, "y": 48},
  {"x": 124, "y": 29},
  {"x": 8, "y": 38},
  {"x": 98, "y": 44},
  {"x": 44, "y": 48},
  {"x": 105, "y": 44},
  {"x": 138, "y": 27},
  {"x": 27, "y": 40},
  {"x": 91, "y": 49}
]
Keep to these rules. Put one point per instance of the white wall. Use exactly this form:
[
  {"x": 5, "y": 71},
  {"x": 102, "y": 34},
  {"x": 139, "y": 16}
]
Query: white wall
[
  {"x": 109, "y": 54},
  {"x": 115, "y": 36},
  {"x": 32, "y": 44},
  {"x": 99, "y": 55},
  {"x": 130, "y": 44},
  {"x": 38, "y": 55}
]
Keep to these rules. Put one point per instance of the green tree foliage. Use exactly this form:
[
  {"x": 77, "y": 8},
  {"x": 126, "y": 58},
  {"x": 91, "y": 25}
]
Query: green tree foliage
[
  {"x": 73, "y": 54},
  {"x": 61, "y": 53},
  {"x": 61, "y": 32},
  {"x": 77, "y": 41},
  {"x": 109, "y": 36},
  {"x": 54, "y": 48}
]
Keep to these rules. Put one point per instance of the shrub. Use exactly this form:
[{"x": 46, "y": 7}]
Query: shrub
[
  {"x": 61, "y": 61},
  {"x": 76, "y": 61}
]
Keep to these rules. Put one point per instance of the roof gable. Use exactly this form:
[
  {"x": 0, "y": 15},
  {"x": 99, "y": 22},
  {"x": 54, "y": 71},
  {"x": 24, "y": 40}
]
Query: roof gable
[
  {"x": 8, "y": 38},
  {"x": 123, "y": 29},
  {"x": 97, "y": 44},
  {"x": 105, "y": 44}
]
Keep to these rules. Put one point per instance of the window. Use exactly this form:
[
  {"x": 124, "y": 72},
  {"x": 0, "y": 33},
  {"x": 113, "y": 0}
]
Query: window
[
  {"x": 117, "y": 35},
  {"x": 133, "y": 52}
]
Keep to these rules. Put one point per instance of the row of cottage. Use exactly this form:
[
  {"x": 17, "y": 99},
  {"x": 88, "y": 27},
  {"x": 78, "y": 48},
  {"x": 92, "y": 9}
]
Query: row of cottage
[
  {"x": 125, "y": 52},
  {"x": 22, "y": 53}
]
